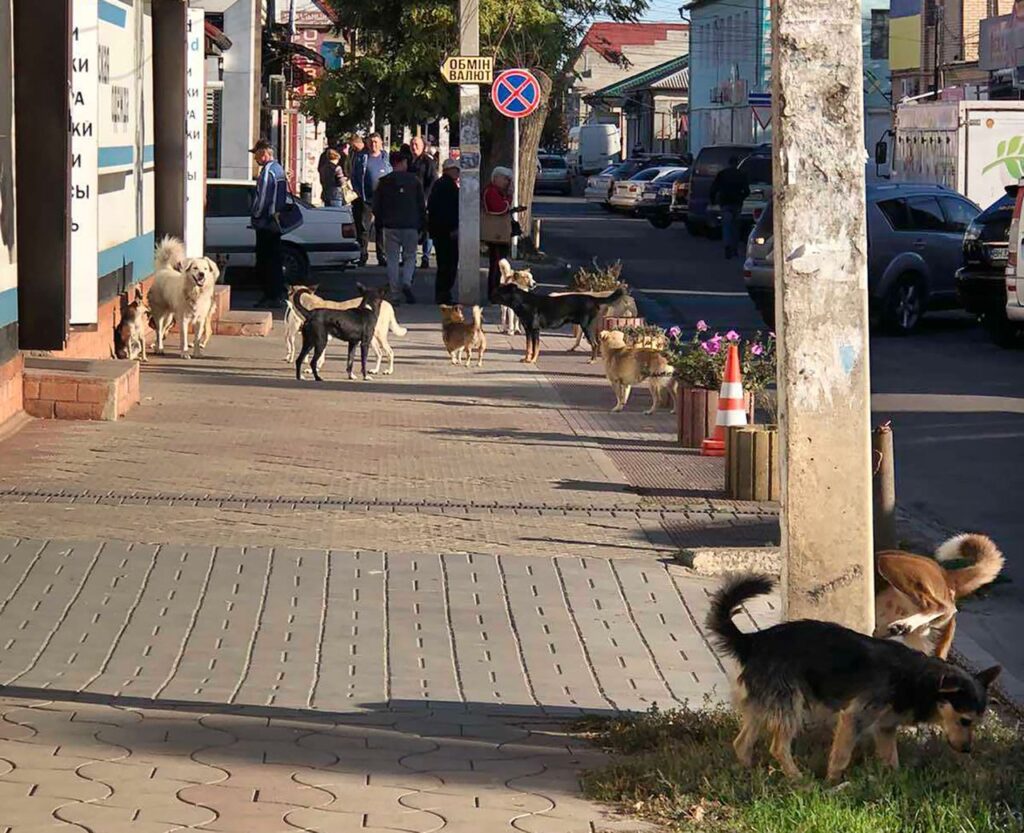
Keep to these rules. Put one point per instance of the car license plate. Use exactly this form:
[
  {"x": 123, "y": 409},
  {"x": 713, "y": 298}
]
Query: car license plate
[
  {"x": 649, "y": 196},
  {"x": 1000, "y": 254}
]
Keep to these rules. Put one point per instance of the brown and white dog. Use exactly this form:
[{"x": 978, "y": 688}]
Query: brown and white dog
[
  {"x": 626, "y": 366},
  {"x": 130, "y": 335},
  {"x": 182, "y": 291},
  {"x": 523, "y": 278},
  {"x": 629, "y": 310},
  {"x": 386, "y": 323},
  {"x": 461, "y": 336},
  {"x": 917, "y": 597}
]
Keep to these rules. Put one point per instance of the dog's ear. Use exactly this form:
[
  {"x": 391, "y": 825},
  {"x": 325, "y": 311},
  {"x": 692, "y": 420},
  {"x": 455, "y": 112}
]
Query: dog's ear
[
  {"x": 360, "y": 287},
  {"x": 214, "y": 268},
  {"x": 314, "y": 287},
  {"x": 988, "y": 676},
  {"x": 950, "y": 684}
]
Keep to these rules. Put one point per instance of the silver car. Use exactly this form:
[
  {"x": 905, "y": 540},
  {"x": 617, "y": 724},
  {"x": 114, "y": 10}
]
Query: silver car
[
  {"x": 552, "y": 175},
  {"x": 915, "y": 246},
  {"x": 599, "y": 186},
  {"x": 626, "y": 193}
]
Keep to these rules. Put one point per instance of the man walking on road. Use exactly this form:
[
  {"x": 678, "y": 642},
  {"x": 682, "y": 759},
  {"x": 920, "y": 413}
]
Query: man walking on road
[
  {"x": 368, "y": 168},
  {"x": 443, "y": 227},
  {"x": 269, "y": 202},
  {"x": 425, "y": 169},
  {"x": 730, "y": 188},
  {"x": 401, "y": 211}
]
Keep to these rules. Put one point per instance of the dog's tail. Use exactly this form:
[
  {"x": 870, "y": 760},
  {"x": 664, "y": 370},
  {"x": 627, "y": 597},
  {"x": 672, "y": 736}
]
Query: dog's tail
[
  {"x": 394, "y": 327},
  {"x": 618, "y": 293},
  {"x": 170, "y": 254},
  {"x": 505, "y": 268},
  {"x": 296, "y": 302},
  {"x": 736, "y": 590},
  {"x": 478, "y": 318},
  {"x": 985, "y": 562}
]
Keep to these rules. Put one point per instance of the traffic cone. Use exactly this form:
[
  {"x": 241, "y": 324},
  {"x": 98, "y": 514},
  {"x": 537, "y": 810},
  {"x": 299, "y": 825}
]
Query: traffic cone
[{"x": 730, "y": 405}]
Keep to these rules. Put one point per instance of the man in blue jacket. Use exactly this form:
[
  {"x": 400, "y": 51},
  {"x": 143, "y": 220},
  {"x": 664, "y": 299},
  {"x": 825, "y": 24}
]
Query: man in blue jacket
[
  {"x": 267, "y": 205},
  {"x": 368, "y": 168}
]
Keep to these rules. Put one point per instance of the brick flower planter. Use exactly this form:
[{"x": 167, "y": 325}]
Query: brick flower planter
[
  {"x": 622, "y": 322},
  {"x": 697, "y": 412}
]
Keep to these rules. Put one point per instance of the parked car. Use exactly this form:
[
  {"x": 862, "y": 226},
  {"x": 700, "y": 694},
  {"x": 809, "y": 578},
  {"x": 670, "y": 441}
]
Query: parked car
[
  {"x": 600, "y": 186},
  {"x": 553, "y": 175},
  {"x": 981, "y": 281},
  {"x": 655, "y": 202},
  {"x": 1014, "y": 278},
  {"x": 679, "y": 208},
  {"x": 327, "y": 236},
  {"x": 626, "y": 193},
  {"x": 711, "y": 160},
  {"x": 758, "y": 168},
  {"x": 915, "y": 245}
]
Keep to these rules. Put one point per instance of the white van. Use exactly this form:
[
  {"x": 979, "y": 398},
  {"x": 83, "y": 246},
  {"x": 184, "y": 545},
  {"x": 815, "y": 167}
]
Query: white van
[
  {"x": 592, "y": 148},
  {"x": 1009, "y": 335}
]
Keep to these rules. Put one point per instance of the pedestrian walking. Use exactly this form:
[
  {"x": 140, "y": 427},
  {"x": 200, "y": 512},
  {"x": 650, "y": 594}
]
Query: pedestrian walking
[
  {"x": 332, "y": 179},
  {"x": 729, "y": 189},
  {"x": 325, "y": 170},
  {"x": 425, "y": 169},
  {"x": 496, "y": 224},
  {"x": 401, "y": 212},
  {"x": 356, "y": 146},
  {"x": 267, "y": 205},
  {"x": 368, "y": 168},
  {"x": 443, "y": 227}
]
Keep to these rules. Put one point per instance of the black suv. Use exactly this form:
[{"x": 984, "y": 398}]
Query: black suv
[{"x": 980, "y": 282}]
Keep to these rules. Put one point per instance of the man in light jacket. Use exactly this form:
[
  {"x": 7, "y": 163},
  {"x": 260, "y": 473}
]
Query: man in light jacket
[
  {"x": 368, "y": 168},
  {"x": 267, "y": 205}
]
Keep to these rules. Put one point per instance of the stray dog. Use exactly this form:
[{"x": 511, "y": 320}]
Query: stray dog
[
  {"x": 523, "y": 278},
  {"x": 306, "y": 295},
  {"x": 627, "y": 366},
  {"x": 873, "y": 685},
  {"x": 130, "y": 335},
  {"x": 354, "y": 326},
  {"x": 577, "y": 333},
  {"x": 182, "y": 291},
  {"x": 536, "y": 312},
  {"x": 461, "y": 336},
  {"x": 919, "y": 595}
]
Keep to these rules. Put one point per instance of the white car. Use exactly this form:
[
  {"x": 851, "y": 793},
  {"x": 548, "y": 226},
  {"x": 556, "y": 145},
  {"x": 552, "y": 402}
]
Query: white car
[
  {"x": 326, "y": 238},
  {"x": 599, "y": 186},
  {"x": 626, "y": 192}
]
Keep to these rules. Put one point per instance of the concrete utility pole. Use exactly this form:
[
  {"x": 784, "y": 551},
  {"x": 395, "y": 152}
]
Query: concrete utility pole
[
  {"x": 470, "y": 290},
  {"x": 822, "y": 313}
]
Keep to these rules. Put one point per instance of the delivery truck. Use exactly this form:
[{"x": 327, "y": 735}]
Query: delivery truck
[{"x": 973, "y": 147}]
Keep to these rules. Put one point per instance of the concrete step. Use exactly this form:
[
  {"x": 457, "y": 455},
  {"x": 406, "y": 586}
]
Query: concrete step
[{"x": 80, "y": 388}]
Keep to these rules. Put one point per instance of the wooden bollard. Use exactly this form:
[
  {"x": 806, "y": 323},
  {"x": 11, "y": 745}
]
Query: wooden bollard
[
  {"x": 752, "y": 463},
  {"x": 883, "y": 485}
]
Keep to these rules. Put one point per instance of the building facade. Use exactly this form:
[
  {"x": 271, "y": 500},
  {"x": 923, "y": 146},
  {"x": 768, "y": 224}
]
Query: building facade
[{"x": 610, "y": 53}]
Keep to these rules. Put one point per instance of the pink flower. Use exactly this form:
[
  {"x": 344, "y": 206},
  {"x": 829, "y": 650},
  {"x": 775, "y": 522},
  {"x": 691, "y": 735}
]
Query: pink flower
[
  {"x": 756, "y": 349},
  {"x": 702, "y": 326},
  {"x": 732, "y": 335},
  {"x": 674, "y": 332},
  {"x": 711, "y": 347},
  {"x": 771, "y": 335}
]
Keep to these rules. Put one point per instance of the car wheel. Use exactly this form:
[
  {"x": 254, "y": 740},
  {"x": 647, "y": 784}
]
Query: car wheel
[
  {"x": 607, "y": 207},
  {"x": 660, "y": 222},
  {"x": 904, "y": 305},
  {"x": 1003, "y": 332},
  {"x": 296, "y": 265}
]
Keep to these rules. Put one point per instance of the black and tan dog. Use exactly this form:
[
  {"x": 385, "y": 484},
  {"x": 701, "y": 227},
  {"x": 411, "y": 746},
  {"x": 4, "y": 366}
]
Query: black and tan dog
[
  {"x": 353, "y": 326},
  {"x": 873, "y": 686},
  {"x": 537, "y": 312}
]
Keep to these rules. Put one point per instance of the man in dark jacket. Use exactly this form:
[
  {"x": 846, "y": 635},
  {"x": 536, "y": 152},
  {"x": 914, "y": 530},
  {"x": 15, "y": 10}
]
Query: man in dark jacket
[
  {"x": 730, "y": 188},
  {"x": 401, "y": 210},
  {"x": 443, "y": 225},
  {"x": 425, "y": 169},
  {"x": 267, "y": 205}
]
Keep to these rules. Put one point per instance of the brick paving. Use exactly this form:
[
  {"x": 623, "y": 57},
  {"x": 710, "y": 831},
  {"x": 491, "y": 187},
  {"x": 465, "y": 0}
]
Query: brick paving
[{"x": 257, "y": 604}]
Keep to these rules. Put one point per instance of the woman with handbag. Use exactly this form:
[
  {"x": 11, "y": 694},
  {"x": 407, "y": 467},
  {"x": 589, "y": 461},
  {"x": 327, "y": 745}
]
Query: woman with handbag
[
  {"x": 334, "y": 180},
  {"x": 496, "y": 224}
]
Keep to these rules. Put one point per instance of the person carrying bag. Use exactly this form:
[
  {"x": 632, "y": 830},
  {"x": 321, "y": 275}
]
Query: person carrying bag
[{"x": 496, "y": 224}]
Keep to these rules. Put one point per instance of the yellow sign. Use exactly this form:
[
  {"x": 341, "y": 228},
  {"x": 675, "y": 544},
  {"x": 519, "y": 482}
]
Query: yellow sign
[{"x": 468, "y": 69}]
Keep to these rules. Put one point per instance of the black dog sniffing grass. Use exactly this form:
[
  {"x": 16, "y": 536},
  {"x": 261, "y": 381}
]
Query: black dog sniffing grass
[
  {"x": 537, "y": 312},
  {"x": 873, "y": 685},
  {"x": 354, "y": 326}
]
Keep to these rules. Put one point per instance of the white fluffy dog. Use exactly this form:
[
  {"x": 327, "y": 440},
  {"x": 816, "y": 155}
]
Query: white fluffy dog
[
  {"x": 182, "y": 291},
  {"x": 387, "y": 322},
  {"x": 523, "y": 278}
]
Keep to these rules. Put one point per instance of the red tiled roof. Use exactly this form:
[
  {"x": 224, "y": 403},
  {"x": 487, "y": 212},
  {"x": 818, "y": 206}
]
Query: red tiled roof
[{"x": 609, "y": 39}]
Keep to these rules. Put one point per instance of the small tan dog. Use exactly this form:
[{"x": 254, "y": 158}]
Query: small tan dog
[
  {"x": 627, "y": 309},
  {"x": 523, "y": 278},
  {"x": 130, "y": 335},
  {"x": 917, "y": 600},
  {"x": 461, "y": 336},
  {"x": 627, "y": 366}
]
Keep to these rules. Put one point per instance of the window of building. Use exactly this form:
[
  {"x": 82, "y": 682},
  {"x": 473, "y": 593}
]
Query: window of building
[{"x": 879, "y": 34}]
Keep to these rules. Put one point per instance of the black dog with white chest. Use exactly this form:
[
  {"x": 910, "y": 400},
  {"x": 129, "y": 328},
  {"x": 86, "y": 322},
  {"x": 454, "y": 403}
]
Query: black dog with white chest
[
  {"x": 353, "y": 326},
  {"x": 537, "y": 312}
]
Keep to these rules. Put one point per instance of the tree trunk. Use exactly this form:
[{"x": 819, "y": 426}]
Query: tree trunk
[{"x": 530, "y": 130}]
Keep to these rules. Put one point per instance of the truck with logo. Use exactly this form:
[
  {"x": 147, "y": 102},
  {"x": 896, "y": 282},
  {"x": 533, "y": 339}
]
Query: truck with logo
[{"x": 973, "y": 147}]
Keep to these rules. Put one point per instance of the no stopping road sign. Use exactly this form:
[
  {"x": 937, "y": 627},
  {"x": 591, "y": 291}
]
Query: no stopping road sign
[{"x": 516, "y": 93}]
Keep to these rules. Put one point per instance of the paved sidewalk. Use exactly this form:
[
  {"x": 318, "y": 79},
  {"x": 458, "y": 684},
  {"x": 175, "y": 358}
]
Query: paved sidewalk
[{"x": 264, "y": 605}]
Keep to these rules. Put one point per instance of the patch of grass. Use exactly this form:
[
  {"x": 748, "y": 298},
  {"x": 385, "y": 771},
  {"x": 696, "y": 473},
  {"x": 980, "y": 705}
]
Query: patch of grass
[{"x": 678, "y": 768}]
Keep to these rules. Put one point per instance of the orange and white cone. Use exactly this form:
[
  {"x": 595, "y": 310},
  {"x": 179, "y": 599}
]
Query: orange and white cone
[{"x": 730, "y": 405}]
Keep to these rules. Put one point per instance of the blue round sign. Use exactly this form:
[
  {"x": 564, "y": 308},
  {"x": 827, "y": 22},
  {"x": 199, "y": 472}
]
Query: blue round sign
[{"x": 516, "y": 93}]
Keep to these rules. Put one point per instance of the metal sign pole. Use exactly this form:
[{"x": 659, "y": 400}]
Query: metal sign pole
[{"x": 515, "y": 178}]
